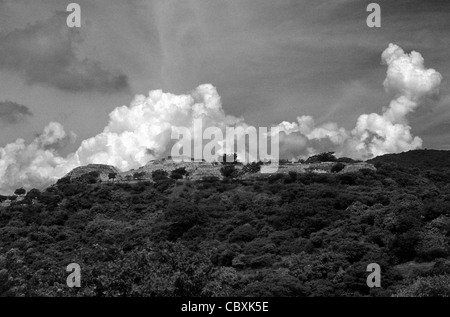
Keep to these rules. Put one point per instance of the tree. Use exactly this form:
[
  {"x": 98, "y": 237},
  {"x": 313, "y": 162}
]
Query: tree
[
  {"x": 337, "y": 167},
  {"x": 243, "y": 233},
  {"x": 159, "y": 174},
  {"x": 34, "y": 194},
  {"x": 139, "y": 175},
  {"x": 228, "y": 171},
  {"x": 20, "y": 192},
  {"x": 182, "y": 216},
  {"x": 90, "y": 178},
  {"x": 430, "y": 286},
  {"x": 178, "y": 173},
  {"x": 112, "y": 176},
  {"x": 252, "y": 168},
  {"x": 323, "y": 157}
]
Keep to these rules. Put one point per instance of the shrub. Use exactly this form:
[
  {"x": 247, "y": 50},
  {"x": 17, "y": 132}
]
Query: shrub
[
  {"x": 34, "y": 194},
  {"x": 20, "y": 192},
  {"x": 252, "y": 168},
  {"x": 347, "y": 160},
  {"x": 178, "y": 173},
  {"x": 89, "y": 178},
  {"x": 64, "y": 180},
  {"x": 337, "y": 167},
  {"x": 139, "y": 175},
  {"x": 347, "y": 179},
  {"x": 293, "y": 175},
  {"x": 159, "y": 174},
  {"x": 276, "y": 285},
  {"x": 182, "y": 216},
  {"x": 112, "y": 176},
  {"x": 228, "y": 171},
  {"x": 323, "y": 157},
  {"x": 162, "y": 184},
  {"x": 243, "y": 233},
  {"x": 432, "y": 286}
]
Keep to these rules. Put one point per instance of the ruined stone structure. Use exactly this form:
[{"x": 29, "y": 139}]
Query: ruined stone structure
[{"x": 197, "y": 170}]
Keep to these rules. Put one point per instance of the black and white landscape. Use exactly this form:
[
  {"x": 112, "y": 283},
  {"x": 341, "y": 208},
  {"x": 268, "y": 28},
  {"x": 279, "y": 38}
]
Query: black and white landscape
[{"x": 224, "y": 148}]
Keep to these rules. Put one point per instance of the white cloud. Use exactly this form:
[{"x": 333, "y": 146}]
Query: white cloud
[
  {"x": 409, "y": 82},
  {"x": 140, "y": 132}
]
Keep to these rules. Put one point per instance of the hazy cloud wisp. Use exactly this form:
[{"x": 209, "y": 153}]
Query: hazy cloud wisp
[
  {"x": 11, "y": 112},
  {"x": 46, "y": 53}
]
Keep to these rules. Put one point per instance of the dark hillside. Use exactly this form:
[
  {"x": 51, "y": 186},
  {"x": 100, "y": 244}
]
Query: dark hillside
[
  {"x": 295, "y": 234},
  {"x": 423, "y": 159}
]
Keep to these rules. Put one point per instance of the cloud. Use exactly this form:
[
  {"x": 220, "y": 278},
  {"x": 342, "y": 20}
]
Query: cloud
[
  {"x": 134, "y": 135},
  {"x": 410, "y": 84},
  {"x": 36, "y": 164},
  {"x": 46, "y": 53},
  {"x": 142, "y": 131},
  {"x": 11, "y": 112}
]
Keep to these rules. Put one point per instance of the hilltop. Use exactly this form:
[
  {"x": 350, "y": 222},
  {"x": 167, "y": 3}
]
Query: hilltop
[
  {"x": 101, "y": 169},
  {"x": 422, "y": 159},
  {"x": 197, "y": 170}
]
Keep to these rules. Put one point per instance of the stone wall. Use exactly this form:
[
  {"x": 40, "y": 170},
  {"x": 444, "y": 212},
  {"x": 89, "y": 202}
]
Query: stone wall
[{"x": 199, "y": 170}]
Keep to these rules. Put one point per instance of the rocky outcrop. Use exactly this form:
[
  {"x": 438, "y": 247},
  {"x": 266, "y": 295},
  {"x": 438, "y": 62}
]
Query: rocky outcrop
[{"x": 103, "y": 170}]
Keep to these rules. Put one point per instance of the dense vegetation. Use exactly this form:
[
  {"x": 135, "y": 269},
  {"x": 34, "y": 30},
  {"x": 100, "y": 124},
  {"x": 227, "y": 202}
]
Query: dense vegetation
[
  {"x": 423, "y": 159},
  {"x": 285, "y": 235}
]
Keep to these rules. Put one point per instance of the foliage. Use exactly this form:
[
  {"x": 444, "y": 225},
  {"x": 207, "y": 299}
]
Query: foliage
[
  {"x": 322, "y": 157},
  {"x": 295, "y": 234},
  {"x": 431, "y": 286},
  {"x": 337, "y": 167},
  {"x": 139, "y": 175},
  {"x": 33, "y": 194},
  {"x": 228, "y": 171},
  {"x": 252, "y": 168},
  {"x": 89, "y": 178},
  {"x": 112, "y": 176},
  {"x": 20, "y": 192},
  {"x": 178, "y": 173},
  {"x": 159, "y": 174}
]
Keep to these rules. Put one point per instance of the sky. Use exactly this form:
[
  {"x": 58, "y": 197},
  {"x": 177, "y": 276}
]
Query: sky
[{"x": 270, "y": 61}]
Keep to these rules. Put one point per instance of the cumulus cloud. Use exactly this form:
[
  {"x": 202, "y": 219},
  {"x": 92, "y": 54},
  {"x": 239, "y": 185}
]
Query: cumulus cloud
[
  {"x": 46, "y": 53},
  {"x": 142, "y": 131},
  {"x": 36, "y": 164},
  {"x": 11, "y": 112},
  {"x": 409, "y": 83},
  {"x": 135, "y": 135}
]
